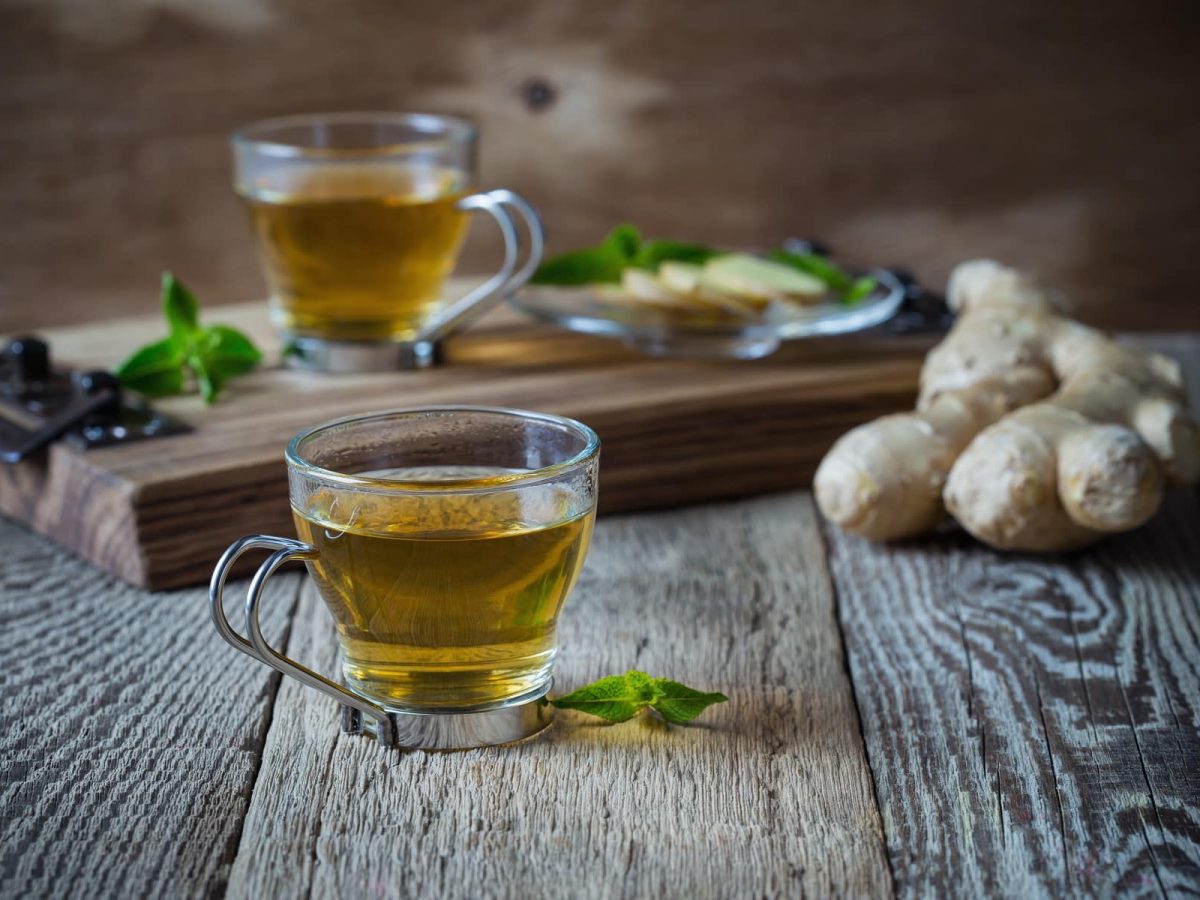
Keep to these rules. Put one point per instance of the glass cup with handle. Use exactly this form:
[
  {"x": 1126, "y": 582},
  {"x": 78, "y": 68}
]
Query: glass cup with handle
[
  {"x": 444, "y": 542},
  {"x": 359, "y": 219}
]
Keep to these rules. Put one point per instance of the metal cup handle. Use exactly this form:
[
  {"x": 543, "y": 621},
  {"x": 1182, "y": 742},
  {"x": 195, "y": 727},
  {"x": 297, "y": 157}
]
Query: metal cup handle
[
  {"x": 537, "y": 235},
  {"x": 254, "y": 644},
  {"x": 508, "y": 277}
]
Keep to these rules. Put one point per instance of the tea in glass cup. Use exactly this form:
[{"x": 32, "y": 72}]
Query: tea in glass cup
[
  {"x": 359, "y": 219},
  {"x": 444, "y": 543},
  {"x": 452, "y": 601}
]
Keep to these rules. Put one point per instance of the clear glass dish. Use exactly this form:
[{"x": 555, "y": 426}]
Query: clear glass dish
[{"x": 706, "y": 334}]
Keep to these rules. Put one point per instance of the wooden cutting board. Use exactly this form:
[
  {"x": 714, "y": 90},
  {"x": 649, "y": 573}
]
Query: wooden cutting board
[{"x": 159, "y": 512}]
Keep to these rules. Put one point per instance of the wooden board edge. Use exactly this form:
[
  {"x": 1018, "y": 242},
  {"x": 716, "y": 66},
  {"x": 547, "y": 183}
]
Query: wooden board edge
[{"x": 83, "y": 509}]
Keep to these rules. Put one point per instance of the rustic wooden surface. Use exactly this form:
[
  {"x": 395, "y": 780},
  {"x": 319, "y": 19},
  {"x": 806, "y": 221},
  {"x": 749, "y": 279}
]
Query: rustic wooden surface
[
  {"x": 109, "y": 790},
  {"x": 158, "y": 512},
  {"x": 1031, "y": 728},
  {"x": 1033, "y": 724},
  {"x": 131, "y": 738},
  {"x": 771, "y": 789},
  {"x": 1051, "y": 135}
]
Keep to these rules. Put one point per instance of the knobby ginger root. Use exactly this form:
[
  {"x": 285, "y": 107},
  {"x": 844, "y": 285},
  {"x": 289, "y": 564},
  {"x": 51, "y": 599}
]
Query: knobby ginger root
[{"x": 1034, "y": 431}]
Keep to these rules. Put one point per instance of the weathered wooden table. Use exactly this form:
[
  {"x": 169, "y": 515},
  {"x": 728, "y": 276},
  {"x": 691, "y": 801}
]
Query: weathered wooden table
[{"x": 923, "y": 719}]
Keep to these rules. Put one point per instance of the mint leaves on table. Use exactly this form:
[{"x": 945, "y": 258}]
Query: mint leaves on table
[
  {"x": 624, "y": 248},
  {"x": 190, "y": 353},
  {"x": 619, "y": 698}
]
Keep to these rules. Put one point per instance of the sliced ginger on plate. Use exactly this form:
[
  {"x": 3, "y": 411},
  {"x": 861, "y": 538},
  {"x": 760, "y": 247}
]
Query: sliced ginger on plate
[
  {"x": 760, "y": 281},
  {"x": 687, "y": 279},
  {"x": 644, "y": 287},
  {"x": 732, "y": 284}
]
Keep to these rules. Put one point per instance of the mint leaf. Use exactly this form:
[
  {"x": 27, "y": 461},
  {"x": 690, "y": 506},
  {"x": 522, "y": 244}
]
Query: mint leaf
[
  {"x": 227, "y": 352},
  {"x": 619, "y": 698},
  {"x": 209, "y": 385},
  {"x": 817, "y": 266},
  {"x": 155, "y": 370},
  {"x": 181, "y": 309},
  {"x": 211, "y": 355},
  {"x": 651, "y": 254},
  {"x": 853, "y": 290},
  {"x": 641, "y": 685},
  {"x": 859, "y": 290},
  {"x": 218, "y": 354},
  {"x": 624, "y": 239},
  {"x": 610, "y": 698},
  {"x": 591, "y": 265},
  {"x": 679, "y": 703}
]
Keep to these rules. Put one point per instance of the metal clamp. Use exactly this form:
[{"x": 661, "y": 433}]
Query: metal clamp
[{"x": 40, "y": 404}]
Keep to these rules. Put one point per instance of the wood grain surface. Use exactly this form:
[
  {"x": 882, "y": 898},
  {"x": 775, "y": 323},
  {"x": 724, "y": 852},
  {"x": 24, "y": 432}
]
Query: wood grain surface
[
  {"x": 1033, "y": 723},
  {"x": 1031, "y": 728},
  {"x": 1050, "y": 135},
  {"x": 769, "y": 795},
  {"x": 771, "y": 789},
  {"x": 158, "y": 512},
  {"x": 131, "y": 733}
]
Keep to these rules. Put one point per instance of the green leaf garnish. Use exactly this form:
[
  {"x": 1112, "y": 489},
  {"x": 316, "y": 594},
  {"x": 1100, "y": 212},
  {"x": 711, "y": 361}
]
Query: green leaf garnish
[
  {"x": 851, "y": 290},
  {"x": 625, "y": 240},
  {"x": 593, "y": 264},
  {"x": 858, "y": 291},
  {"x": 155, "y": 370},
  {"x": 611, "y": 698},
  {"x": 228, "y": 352},
  {"x": 209, "y": 355},
  {"x": 623, "y": 248},
  {"x": 653, "y": 253},
  {"x": 679, "y": 703},
  {"x": 619, "y": 698},
  {"x": 815, "y": 265},
  {"x": 181, "y": 310}
]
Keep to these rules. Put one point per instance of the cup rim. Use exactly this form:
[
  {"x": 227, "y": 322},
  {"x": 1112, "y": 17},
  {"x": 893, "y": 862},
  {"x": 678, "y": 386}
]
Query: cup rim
[
  {"x": 456, "y": 130},
  {"x": 479, "y": 485}
]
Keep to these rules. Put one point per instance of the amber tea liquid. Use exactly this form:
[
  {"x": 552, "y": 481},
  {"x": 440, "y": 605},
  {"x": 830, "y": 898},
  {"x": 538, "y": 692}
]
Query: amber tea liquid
[
  {"x": 357, "y": 251},
  {"x": 446, "y": 601}
]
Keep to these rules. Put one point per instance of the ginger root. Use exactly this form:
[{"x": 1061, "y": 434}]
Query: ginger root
[{"x": 1035, "y": 432}]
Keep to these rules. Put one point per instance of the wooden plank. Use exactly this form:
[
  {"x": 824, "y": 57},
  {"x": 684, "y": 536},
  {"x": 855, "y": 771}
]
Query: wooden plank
[
  {"x": 770, "y": 796},
  {"x": 1033, "y": 723},
  {"x": 926, "y": 132},
  {"x": 130, "y": 734},
  {"x": 158, "y": 512}
]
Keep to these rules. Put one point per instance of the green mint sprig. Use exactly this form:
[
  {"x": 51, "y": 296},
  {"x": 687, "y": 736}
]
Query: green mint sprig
[
  {"x": 624, "y": 248},
  {"x": 207, "y": 356},
  {"x": 619, "y": 698}
]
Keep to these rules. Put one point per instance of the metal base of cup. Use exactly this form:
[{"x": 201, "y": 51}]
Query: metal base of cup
[
  {"x": 320, "y": 355},
  {"x": 452, "y": 730}
]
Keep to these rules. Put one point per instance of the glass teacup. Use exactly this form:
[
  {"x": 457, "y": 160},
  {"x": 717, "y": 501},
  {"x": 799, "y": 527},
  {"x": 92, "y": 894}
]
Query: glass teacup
[
  {"x": 444, "y": 542},
  {"x": 359, "y": 219}
]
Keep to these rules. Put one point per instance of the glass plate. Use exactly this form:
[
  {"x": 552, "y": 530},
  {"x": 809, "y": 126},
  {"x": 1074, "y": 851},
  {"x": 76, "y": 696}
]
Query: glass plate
[{"x": 703, "y": 334}]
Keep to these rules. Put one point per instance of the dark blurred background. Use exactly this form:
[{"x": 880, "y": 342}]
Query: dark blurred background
[{"x": 1062, "y": 137}]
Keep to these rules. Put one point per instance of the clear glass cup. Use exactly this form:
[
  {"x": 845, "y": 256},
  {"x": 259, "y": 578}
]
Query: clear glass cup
[
  {"x": 359, "y": 219},
  {"x": 444, "y": 542}
]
